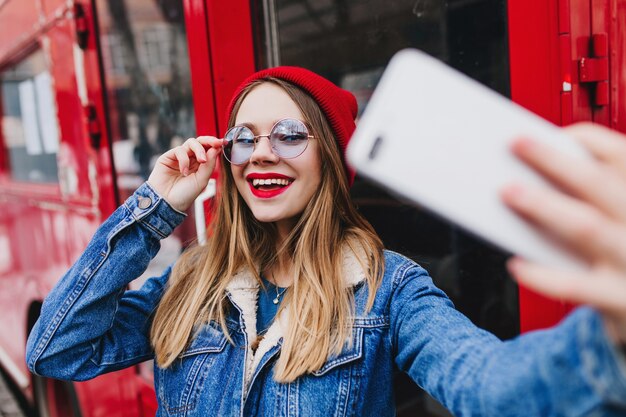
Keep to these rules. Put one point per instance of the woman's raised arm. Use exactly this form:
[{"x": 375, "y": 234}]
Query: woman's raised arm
[
  {"x": 588, "y": 216},
  {"x": 575, "y": 369},
  {"x": 89, "y": 323}
]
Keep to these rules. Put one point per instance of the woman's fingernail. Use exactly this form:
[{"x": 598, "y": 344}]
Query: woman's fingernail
[
  {"x": 514, "y": 193},
  {"x": 523, "y": 145},
  {"x": 185, "y": 171}
]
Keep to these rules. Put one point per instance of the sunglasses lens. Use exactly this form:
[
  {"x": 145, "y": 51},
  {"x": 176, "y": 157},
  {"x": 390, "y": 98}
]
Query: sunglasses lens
[
  {"x": 289, "y": 138},
  {"x": 239, "y": 145}
]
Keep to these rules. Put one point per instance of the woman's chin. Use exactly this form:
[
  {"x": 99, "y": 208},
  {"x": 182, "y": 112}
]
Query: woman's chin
[{"x": 266, "y": 217}]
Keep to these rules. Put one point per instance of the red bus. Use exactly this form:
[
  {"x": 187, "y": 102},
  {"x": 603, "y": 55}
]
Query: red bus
[{"x": 93, "y": 90}]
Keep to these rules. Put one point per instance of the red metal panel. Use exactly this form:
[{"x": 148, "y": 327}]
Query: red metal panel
[
  {"x": 580, "y": 18},
  {"x": 600, "y": 23},
  {"x": 534, "y": 56},
  {"x": 232, "y": 50},
  {"x": 538, "y": 87},
  {"x": 221, "y": 53},
  {"x": 564, "y": 12},
  {"x": 200, "y": 63},
  {"x": 102, "y": 158},
  {"x": 110, "y": 395},
  {"x": 617, "y": 63},
  {"x": 74, "y": 153},
  {"x": 565, "y": 41}
]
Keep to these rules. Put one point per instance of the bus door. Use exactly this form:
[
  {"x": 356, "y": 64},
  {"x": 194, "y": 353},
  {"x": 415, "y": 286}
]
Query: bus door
[
  {"x": 567, "y": 69},
  {"x": 597, "y": 60}
]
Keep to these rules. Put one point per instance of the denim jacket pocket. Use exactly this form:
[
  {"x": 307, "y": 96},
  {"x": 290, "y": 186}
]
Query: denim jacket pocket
[
  {"x": 180, "y": 385},
  {"x": 350, "y": 353},
  {"x": 333, "y": 389}
]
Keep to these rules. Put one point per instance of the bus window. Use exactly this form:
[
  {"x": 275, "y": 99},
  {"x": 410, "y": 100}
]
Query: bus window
[
  {"x": 148, "y": 83},
  {"x": 350, "y": 42},
  {"x": 29, "y": 120},
  {"x": 340, "y": 38}
]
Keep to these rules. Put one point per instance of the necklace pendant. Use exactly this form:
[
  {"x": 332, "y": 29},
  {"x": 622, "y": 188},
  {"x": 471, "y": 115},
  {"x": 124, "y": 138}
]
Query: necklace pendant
[{"x": 276, "y": 300}]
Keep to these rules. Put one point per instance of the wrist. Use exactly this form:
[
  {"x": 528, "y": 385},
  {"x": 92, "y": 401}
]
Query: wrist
[
  {"x": 617, "y": 337},
  {"x": 178, "y": 206},
  {"x": 151, "y": 210},
  {"x": 159, "y": 195}
]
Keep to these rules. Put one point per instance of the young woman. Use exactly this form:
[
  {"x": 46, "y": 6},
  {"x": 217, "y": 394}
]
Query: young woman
[{"x": 294, "y": 308}]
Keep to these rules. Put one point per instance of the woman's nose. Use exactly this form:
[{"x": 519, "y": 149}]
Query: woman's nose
[{"x": 263, "y": 152}]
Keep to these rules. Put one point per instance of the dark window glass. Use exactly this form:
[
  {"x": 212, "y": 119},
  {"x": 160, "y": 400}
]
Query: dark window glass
[
  {"x": 146, "y": 70},
  {"x": 350, "y": 42},
  {"x": 29, "y": 120}
]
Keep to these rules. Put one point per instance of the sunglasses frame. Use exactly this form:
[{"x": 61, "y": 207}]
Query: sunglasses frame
[{"x": 256, "y": 140}]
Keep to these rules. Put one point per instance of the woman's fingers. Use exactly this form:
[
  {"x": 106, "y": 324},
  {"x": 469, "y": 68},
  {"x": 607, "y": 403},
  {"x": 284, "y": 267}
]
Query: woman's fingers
[
  {"x": 211, "y": 142},
  {"x": 196, "y": 149},
  {"x": 184, "y": 171},
  {"x": 205, "y": 170},
  {"x": 590, "y": 219},
  {"x": 181, "y": 153},
  {"x": 195, "y": 152},
  {"x": 589, "y": 180},
  {"x": 578, "y": 225},
  {"x": 602, "y": 288},
  {"x": 604, "y": 144}
]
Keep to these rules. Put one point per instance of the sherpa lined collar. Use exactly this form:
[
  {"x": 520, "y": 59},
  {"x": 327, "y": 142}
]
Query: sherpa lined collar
[{"x": 243, "y": 291}]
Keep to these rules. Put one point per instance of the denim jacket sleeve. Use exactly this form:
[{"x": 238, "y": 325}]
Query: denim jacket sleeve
[
  {"x": 570, "y": 370},
  {"x": 89, "y": 323}
]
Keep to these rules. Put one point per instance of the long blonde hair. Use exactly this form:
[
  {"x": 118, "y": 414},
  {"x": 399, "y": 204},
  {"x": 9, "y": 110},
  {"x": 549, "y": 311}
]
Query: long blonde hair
[{"x": 320, "y": 303}]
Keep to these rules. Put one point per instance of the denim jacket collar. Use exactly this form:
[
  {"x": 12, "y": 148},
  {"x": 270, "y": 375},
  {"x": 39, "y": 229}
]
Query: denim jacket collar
[{"x": 243, "y": 291}]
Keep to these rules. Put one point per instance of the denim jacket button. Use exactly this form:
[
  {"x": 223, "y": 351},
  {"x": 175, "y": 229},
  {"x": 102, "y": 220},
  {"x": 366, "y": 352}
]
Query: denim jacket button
[{"x": 144, "y": 202}]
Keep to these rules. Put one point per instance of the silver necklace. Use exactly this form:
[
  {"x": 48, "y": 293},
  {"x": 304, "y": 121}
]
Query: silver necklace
[{"x": 278, "y": 294}]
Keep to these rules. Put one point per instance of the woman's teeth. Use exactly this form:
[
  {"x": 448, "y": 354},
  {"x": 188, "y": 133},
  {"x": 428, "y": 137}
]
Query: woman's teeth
[{"x": 273, "y": 181}]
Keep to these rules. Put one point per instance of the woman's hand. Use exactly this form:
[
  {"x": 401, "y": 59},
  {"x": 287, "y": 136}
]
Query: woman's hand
[
  {"x": 588, "y": 216},
  {"x": 183, "y": 172}
]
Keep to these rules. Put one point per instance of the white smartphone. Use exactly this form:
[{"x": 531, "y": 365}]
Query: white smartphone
[{"x": 442, "y": 140}]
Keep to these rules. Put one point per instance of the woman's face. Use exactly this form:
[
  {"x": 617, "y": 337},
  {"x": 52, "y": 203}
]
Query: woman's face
[{"x": 260, "y": 110}]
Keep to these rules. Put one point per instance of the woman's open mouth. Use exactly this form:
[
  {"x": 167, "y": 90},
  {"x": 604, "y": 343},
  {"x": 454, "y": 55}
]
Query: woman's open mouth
[{"x": 268, "y": 185}]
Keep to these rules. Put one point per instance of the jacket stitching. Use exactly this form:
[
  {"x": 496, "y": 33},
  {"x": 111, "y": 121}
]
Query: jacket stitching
[
  {"x": 149, "y": 226},
  {"x": 348, "y": 357},
  {"x": 403, "y": 271}
]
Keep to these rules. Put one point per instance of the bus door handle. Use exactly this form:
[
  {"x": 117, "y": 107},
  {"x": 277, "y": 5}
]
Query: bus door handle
[{"x": 199, "y": 212}]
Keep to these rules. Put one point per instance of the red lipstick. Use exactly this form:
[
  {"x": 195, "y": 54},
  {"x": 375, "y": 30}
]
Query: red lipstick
[
  {"x": 264, "y": 193},
  {"x": 266, "y": 176}
]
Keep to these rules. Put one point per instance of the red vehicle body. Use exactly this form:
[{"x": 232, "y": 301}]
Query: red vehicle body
[{"x": 117, "y": 82}]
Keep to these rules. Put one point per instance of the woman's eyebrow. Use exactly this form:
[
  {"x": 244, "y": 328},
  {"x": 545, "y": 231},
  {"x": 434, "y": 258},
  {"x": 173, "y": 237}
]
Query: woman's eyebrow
[
  {"x": 253, "y": 127},
  {"x": 250, "y": 126}
]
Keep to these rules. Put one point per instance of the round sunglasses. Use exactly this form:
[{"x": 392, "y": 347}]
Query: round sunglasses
[{"x": 288, "y": 139}]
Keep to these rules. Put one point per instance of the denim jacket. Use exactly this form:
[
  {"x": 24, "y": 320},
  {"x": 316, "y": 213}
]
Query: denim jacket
[{"x": 90, "y": 324}]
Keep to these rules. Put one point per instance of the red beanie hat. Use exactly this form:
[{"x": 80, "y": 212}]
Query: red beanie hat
[{"x": 338, "y": 105}]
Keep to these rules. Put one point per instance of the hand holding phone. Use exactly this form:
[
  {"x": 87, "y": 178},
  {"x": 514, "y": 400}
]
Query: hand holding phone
[{"x": 442, "y": 140}]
